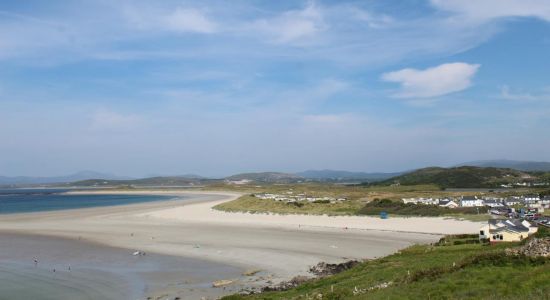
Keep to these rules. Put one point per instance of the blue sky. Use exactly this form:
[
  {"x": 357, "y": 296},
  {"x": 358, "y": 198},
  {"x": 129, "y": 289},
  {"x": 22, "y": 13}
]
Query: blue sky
[{"x": 220, "y": 87}]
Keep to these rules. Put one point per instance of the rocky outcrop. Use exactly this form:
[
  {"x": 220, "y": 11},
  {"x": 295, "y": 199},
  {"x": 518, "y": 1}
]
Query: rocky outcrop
[
  {"x": 534, "y": 248},
  {"x": 323, "y": 269},
  {"x": 287, "y": 285}
]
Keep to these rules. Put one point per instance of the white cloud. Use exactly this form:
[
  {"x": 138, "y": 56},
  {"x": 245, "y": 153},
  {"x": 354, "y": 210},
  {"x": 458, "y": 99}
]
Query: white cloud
[
  {"x": 188, "y": 20},
  {"x": 484, "y": 10},
  {"x": 508, "y": 94},
  {"x": 105, "y": 120},
  {"x": 432, "y": 82},
  {"x": 328, "y": 119},
  {"x": 294, "y": 26},
  {"x": 372, "y": 20}
]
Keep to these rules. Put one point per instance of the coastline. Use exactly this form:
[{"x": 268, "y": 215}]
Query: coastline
[{"x": 282, "y": 246}]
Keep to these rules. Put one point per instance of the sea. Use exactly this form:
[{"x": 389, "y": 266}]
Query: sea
[
  {"x": 45, "y": 267},
  {"x": 35, "y": 200}
]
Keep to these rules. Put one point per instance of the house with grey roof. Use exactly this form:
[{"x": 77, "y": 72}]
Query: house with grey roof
[{"x": 507, "y": 230}]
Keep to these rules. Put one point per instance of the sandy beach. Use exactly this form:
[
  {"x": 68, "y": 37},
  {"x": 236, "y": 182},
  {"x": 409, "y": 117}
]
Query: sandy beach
[{"x": 282, "y": 246}]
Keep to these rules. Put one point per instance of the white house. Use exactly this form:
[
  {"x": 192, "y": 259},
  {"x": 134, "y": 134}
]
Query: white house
[
  {"x": 427, "y": 201},
  {"x": 512, "y": 201},
  {"x": 448, "y": 203},
  {"x": 530, "y": 199},
  {"x": 493, "y": 203},
  {"x": 470, "y": 201}
]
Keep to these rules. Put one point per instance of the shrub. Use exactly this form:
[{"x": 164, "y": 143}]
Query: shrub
[
  {"x": 543, "y": 232},
  {"x": 322, "y": 201},
  {"x": 377, "y": 206}
]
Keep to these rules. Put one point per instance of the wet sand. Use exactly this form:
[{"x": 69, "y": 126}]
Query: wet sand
[
  {"x": 85, "y": 270},
  {"x": 280, "y": 246}
]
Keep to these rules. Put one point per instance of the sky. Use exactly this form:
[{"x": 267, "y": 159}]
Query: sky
[{"x": 141, "y": 88}]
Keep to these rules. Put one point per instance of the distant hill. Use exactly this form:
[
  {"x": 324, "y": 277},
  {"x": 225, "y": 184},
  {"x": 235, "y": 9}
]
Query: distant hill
[
  {"x": 151, "y": 181},
  {"x": 337, "y": 175},
  {"x": 461, "y": 177},
  {"x": 267, "y": 177},
  {"x": 511, "y": 164},
  {"x": 83, "y": 175}
]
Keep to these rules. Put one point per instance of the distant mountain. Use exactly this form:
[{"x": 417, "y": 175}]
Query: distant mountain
[
  {"x": 190, "y": 176},
  {"x": 461, "y": 177},
  {"x": 267, "y": 177},
  {"x": 83, "y": 175},
  {"x": 345, "y": 175},
  {"x": 150, "y": 181},
  {"x": 511, "y": 164}
]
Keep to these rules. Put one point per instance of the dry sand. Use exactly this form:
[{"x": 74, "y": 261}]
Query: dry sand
[{"x": 281, "y": 245}]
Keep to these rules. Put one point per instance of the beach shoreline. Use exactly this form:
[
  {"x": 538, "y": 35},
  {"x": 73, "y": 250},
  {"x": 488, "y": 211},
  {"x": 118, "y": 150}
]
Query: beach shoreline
[{"x": 189, "y": 227}]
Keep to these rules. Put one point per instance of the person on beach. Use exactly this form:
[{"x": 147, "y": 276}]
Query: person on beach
[{"x": 35, "y": 261}]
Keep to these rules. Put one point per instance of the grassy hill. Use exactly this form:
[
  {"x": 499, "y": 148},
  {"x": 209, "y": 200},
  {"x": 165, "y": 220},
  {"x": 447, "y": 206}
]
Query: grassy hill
[
  {"x": 152, "y": 181},
  {"x": 452, "y": 269},
  {"x": 267, "y": 177},
  {"x": 512, "y": 164},
  {"x": 336, "y": 175},
  {"x": 461, "y": 177}
]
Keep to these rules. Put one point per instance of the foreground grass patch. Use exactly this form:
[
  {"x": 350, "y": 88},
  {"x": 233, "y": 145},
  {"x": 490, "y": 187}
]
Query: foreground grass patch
[{"x": 464, "y": 271}]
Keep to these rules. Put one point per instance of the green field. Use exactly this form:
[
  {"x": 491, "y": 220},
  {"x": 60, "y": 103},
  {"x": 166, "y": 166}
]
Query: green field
[
  {"x": 452, "y": 269},
  {"x": 251, "y": 204},
  {"x": 359, "y": 200}
]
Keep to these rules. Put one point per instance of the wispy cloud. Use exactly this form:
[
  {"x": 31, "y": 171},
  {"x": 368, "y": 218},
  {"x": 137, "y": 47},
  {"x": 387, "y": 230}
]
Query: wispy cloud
[
  {"x": 293, "y": 26},
  {"x": 432, "y": 82},
  {"x": 352, "y": 35},
  {"x": 486, "y": 10},
  {"x": 106, "y": 120},
  {"x": 178, "y": 19},
  {"x": 188, "y": 20},
  {"x": 507, "y": 94}
]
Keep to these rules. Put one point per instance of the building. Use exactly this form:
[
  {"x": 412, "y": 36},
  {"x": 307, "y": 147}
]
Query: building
[
  {"x": 506, "y": 230},
  {"x": 493, "y": 203},
  {"x": 512, "y": 201},
  {"x": 448, "y": 203},
  {"x": 426, "y": 201},
  {"x": 531, "y": 199},
  {"x": 470, "y": 201}
]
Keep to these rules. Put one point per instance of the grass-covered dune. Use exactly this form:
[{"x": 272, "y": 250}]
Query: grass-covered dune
[
  {"x": 452, "y": 269},
  {"x": 377, "y": 206},
  {"x": 252, "y": 204}
]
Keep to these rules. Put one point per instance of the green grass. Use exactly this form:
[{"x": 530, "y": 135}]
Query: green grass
[
  {"x": 377, "y": 206},
  {"x": 251, "y": 204},
  {"x": 466, "y": 271},
  {"x": 462, "y": 177},
  {"x": 395, "y": 208},
  {"x": 472, "y": 217},
  {"x": 358, "y": 196}
]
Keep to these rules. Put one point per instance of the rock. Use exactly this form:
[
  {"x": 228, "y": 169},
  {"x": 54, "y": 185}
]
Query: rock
[
  {"x": 251, "y": 272},
  {"x": 286, "y": 285},
  {"x": 221, "y": 283},
  {"x": 323, "y": 269},
  {"x": 535, "y": 247}
]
